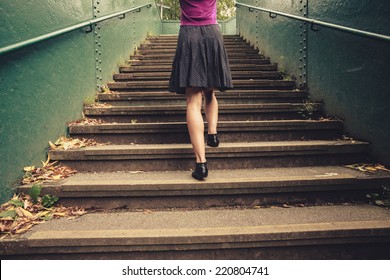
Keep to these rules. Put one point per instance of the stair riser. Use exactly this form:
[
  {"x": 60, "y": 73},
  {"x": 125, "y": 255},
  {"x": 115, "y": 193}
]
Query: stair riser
[
  {"x": 227, "y": 161},
  {"x": 129, "y": 201},
  {"x": 277, "y": 85},
  {"x": 181, "y": 101},
  {"x": 351, "y": 248},
  {"x": 168, "y": 68},
  {"x": 249, "y": 116},
  {"x": 166, "y": 76},
  {"x": 172, "y": 49},
  {"x": 150, "y": 57},
  {"x": 169, "y": 61},
  {"x": 182, "y": 136}
]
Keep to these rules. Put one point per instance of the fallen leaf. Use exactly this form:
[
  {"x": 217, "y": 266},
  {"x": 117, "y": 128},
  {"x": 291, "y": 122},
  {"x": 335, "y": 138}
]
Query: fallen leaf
[
  {"x": 286, "y": 206},
  {"x": 29, "y": 168},
  {"x": 8, "y": 214},
  {"x": 23, "y": 212}
]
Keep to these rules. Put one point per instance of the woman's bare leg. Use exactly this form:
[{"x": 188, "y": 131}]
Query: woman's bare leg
[
  {"x": 195, "y": 122},
  {"x": 211, "y": 110}
]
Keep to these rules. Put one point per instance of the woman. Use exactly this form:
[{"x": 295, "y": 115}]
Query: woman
[{"x": 200, "y": 65}]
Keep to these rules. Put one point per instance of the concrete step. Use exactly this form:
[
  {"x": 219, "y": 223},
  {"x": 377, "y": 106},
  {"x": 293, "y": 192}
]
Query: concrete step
[
  {"x": 227, "y": 112},
  {"x": 326, "y": 232},
  {"x": 229, "y": 131},
  {"x": 168, "y": 68},
  {"x": 224, "y": 188},
  {"x": 238, "y": 84},
  {"x": 170, "y": 55},
  {"x": 173, "y": 43},
  {"x": 232, "y": 61},
  {"x": 148, "y": 76},
  {"x": 147, "y": 49},
  {"x": 163, "y": 157},
  {"x": 227, "y": 97}
]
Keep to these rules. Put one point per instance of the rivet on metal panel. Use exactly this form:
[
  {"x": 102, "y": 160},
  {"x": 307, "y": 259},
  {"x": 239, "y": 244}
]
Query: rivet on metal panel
[
  {"x": 98, "y": 45},
  {"x": 303, "y": 8}
]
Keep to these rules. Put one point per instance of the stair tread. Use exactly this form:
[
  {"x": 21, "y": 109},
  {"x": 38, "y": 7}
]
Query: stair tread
[
  {"x": 230, "y": 92},
  {"x": 269, "y": 179},
  {"x": 210, "y": 226},
  {"x": 222, "y": 125},
  {"x": 223, "y": 146},
  {"x": 234, "y": 149},
  {"x": 144, "y": 108}
]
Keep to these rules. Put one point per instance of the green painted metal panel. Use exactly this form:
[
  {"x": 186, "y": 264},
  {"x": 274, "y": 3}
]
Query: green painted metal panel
[
  {"x": 347, "y": 72},
  {"x": 43, "y": 86},
  {"x": 170, "y": 27},
  {"x": 115, "y": 40},
  {"x": 228, "y": 27},
  {"x": 279, "y": 38}
]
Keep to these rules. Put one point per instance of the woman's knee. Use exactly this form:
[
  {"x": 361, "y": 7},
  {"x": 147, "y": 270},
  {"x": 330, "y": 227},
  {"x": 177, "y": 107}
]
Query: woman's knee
[{"x": 194, "y": 96}]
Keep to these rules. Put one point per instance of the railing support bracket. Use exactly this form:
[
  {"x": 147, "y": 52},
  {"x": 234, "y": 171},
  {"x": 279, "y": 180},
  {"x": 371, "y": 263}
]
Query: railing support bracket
[
  {"x": 313, "y": 28},
  {"x": 272, "y": 15},
  {"x": 88, "y": 28}
]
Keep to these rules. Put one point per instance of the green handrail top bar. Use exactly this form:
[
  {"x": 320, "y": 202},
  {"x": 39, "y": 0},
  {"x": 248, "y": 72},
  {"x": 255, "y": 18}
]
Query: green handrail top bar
[
  {"x": 65, "y": 30},
  {"x": 321, "y": 23}
]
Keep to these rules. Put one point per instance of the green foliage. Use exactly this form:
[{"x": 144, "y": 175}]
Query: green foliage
[
  {"x": 225, "y": 9},
  {"x": 49, "y": 201},
  {"x": 8, "y": 214},
  {"x": 16, "y": 202},
  {"x": 34, "y": 193}
]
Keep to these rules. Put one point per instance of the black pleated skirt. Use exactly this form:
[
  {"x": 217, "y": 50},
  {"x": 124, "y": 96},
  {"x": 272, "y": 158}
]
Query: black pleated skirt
[{"x": 200, "y": 60}]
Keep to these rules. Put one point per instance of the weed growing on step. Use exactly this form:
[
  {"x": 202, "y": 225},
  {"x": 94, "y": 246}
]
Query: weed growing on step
[
  {"x": 89, "y": 101},
  {"x": 308, "y": 109}
]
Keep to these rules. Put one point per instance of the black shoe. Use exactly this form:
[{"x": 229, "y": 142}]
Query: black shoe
[
  {"x": 212, "y": 140},
  {"x": 201, "y": 171}
]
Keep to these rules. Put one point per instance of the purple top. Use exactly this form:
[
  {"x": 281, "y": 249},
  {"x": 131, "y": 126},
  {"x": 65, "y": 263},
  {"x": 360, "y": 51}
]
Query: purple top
[{"x": 198, "y": 12}]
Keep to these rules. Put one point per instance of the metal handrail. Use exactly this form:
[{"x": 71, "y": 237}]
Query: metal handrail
[
  {"x": 273, "y": 13},
  {"x": 62, "y": 31}
]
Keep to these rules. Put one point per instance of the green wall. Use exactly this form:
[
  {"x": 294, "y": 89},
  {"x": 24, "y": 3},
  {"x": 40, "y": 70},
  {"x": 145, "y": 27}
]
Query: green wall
[
  {"x": 228, "y": 27},
  {"x": 347, "y": 72},
  {"x": 43, "y": 86}
]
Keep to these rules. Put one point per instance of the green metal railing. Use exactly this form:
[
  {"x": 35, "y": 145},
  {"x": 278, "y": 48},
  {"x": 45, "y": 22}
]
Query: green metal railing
[
  {"x": 88, "y": 23},
  {"x": 273, "y": 14}
]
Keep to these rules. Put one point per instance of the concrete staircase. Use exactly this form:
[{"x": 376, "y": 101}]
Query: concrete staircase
[{"x": 277, "y": 187}]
